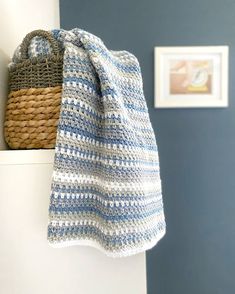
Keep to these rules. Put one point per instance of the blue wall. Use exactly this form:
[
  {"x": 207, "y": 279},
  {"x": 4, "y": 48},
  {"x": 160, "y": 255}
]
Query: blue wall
[{"x": 197, "y": 146}]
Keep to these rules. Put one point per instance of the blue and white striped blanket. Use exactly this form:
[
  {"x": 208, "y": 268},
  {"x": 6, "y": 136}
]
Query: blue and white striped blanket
[{"x": 106, "y": 187}]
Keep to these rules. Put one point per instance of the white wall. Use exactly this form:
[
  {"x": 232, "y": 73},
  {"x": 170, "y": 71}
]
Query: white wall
[
  {"x": 27, "y": 264},
  {"x": 18, "y": 17}
]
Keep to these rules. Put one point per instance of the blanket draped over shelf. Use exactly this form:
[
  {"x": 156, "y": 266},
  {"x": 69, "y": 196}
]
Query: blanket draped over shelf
[{"x": 106, "y": 187}]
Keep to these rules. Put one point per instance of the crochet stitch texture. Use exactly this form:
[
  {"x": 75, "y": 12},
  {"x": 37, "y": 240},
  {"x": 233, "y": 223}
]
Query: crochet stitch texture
[{"x": 106, "y": 187}]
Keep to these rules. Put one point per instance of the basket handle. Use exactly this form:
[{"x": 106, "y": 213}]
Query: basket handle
[{"x": 27, "y": 39}]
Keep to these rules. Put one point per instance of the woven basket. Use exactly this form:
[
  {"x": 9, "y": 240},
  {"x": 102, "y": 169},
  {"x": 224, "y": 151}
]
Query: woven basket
[{"x": 34, "y": 100}]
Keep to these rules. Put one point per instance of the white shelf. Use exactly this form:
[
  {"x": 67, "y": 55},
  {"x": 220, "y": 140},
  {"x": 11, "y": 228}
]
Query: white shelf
[{"x": 16, "y": 157}]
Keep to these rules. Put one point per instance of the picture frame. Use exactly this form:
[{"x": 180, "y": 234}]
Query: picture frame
[{"x": 186, "y": 77}]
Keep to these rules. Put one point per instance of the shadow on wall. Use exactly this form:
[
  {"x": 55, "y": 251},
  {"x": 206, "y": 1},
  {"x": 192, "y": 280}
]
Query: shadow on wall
[{"x": 4, "y": 60}]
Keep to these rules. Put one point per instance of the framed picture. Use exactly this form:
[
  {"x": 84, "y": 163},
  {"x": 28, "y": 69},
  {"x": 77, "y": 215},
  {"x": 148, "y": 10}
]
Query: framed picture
[{"x": 191, "y": 76}]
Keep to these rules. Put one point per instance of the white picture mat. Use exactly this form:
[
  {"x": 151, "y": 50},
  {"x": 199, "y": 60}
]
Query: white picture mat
[{"x": 219, "y": 57}]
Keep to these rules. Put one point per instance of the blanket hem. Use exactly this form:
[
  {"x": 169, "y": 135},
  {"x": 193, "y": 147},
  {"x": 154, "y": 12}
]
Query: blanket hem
[{"x": 95, "y": 244}]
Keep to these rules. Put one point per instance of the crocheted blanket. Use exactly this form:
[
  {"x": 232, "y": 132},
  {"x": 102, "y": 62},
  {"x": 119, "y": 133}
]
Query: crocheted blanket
[{"x": 106, "y": 187}]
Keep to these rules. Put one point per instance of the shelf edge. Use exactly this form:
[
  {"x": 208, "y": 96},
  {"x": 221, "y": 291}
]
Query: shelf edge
[{"x": 18, "y": 157}]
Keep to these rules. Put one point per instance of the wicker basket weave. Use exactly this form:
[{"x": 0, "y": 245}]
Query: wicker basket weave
[{"x": 34, "y": 100}]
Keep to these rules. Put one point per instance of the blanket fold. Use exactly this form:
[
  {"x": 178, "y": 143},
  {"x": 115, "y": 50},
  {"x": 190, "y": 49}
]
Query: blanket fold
[{"x": 106, "y": 187}]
